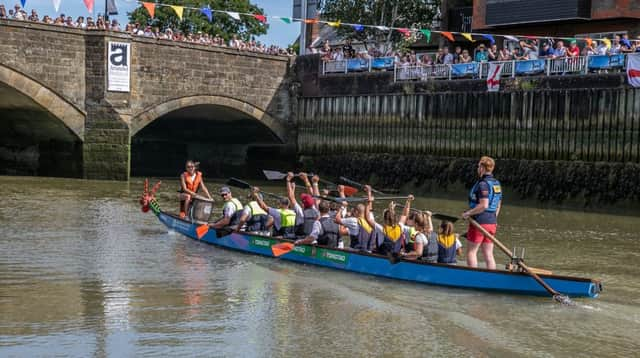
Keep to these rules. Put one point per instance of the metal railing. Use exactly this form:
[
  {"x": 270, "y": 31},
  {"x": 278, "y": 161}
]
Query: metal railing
[{"x": 547, "y": 66}]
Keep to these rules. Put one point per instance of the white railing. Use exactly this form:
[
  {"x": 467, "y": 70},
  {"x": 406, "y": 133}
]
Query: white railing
[
  {"x": 567, "y": 65},
  {"x": 334, "y": 66}
]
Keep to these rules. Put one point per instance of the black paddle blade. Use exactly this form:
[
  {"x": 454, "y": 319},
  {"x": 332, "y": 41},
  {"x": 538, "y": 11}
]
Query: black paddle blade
[
  {"x": 563, "y": 299},
  {"x": 445, "y": 217},
  {"x": 238, "y": 183}
]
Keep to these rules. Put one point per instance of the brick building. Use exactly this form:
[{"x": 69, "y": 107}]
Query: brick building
[{"x": 562, "y": 18}]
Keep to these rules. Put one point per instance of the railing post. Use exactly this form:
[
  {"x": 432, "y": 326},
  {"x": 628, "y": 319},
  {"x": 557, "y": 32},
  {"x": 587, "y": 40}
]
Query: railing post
[
  {"x": 370, "y": 65},
  {"x": 513, "y": 69},
  {"x": 324, "y": 67},
  {"x": 346, "y": 65},
  {"x": 395, "y": 71},
  {"x": 548, "y": 70},
  {"x": 585, "y": 70},
  {"x": 449, "y": 69}
]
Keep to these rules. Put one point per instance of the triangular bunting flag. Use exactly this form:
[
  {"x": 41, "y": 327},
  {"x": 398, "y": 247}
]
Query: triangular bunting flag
[
  {"x": 427, "y": 34},
  {"x": 56, "y": 5},
  {"x": 382, "y": 28},
  {"x": 112, "y": 9},
  {"x": 89, "y": 5},
  {"x": 23, "y": 2},
  {"x": 467, "y": 36},
  {"x": 310, "y": 21},
  {"x": 512, "y": 38},
  {"x": 607, "y": 42},
  {"x": 588, "y": 41},
  {"x": 531, "y": 37},
  {"x": 490, "y": 38},
  {"x": 358, "y": 27},
  {"x": 207, "y": 12},
  {"x": 406, "y": 32},
  {"x": 334, "y": 23},
  {"x": 261, "y": 18},
  {"x": 151, "y": 8},
  {"x": 178, "y": 10},
  {"x": 448, "y": 36},
  {"x": 233, "y": 14},
  {"x": 286, "y": 20}
]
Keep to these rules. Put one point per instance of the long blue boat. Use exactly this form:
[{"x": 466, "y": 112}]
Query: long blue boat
[{"x": 378, "y": 265}]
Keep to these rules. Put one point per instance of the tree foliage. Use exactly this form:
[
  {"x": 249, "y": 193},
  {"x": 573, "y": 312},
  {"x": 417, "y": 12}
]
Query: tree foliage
[
  {"x": 416, "y": 14},
  {"x": 193, "y": 20}
]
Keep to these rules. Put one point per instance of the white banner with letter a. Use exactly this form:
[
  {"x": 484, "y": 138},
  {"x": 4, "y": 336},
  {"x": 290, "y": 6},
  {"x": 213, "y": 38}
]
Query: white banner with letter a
[
  {"x": 118, "y": 66},
  {"x": 493, "y": 77},
  {"x": 633, "y": 70}
]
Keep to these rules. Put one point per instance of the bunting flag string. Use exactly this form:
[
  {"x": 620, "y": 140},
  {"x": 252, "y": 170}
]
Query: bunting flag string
[
  {"x": 449, "y": 35},
  {"x": 178, "y": 10},
  {"x": 151, "y": 8},
  {"x": 56, "y": 5},
  {"x": 24, "y": 2}
]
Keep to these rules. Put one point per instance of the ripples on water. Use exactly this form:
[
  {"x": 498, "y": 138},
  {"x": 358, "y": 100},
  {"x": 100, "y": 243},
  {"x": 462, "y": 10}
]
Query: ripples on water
[{"x": 83, "y": 272}]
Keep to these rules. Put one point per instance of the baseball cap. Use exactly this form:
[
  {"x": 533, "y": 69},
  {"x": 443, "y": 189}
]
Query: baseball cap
[
  {"x": 307, "y": 200},
  {"x": 224, "y": 190}
]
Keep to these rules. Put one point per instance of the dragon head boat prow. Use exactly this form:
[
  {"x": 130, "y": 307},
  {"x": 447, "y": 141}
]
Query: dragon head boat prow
[{"x": 148, "y": 198}]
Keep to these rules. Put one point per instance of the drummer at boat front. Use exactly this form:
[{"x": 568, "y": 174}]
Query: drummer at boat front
[
  {"x": 231, "y": 210},
  {"x": 485, "y": 201},
  {"x": 190, "y": 181}
]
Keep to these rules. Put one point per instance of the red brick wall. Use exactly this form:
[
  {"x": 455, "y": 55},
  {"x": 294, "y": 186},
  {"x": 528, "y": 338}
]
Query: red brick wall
[{"x": 605, "y": 9}]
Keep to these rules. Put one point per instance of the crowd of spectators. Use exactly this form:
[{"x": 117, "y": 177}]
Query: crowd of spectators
[
  {"x": 17, "y": 13},
  {"x": 529, "y": 49}
]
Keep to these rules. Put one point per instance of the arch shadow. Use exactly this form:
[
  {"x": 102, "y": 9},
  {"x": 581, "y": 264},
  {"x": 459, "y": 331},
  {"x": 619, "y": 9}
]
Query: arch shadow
[
  {"x": 71, "y": 116},
  {"x": 149, "y": 115}
]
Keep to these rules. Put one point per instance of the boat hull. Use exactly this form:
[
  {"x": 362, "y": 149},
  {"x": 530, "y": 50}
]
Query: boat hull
[{"x": 407, "y": 270}]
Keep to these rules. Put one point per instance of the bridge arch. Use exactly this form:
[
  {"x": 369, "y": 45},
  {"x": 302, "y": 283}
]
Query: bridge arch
[
  {"x": 72, "y": 117},
  {"x": 149, "y": 115}
]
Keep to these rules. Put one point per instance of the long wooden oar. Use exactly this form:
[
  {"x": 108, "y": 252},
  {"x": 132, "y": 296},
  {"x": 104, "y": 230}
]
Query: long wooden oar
[
  {"x": 557, "y": 296},
  {"x": 358, "y": 185},
  {"x": 244, "y": 185},
  {"x": 276, "y": 175}
]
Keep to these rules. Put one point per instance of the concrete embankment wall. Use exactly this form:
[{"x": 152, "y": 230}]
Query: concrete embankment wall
[{"x": 580, "y": 135}]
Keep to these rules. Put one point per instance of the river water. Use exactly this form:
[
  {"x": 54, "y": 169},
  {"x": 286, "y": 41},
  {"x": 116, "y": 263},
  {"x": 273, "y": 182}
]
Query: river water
[{"x": 84, "y": 273}]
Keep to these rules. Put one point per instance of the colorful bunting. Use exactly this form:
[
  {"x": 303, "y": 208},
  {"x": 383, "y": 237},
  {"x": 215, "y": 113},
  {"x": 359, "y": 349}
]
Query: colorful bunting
[
  {"x": 448, "y": 36},
  {"x": 607, "y": 42},
  {"x": 358, "y": 27},
  {"x": 178, "y": 10},
  {"x": 261, "y": 18},
  {"x": 207, "y": 12},
  {"x": 286, "y": 20},
  {"x": 334, "y": 23},
  {"x": 56, "y": 5},
  {"x": 490, "y": 38},
  {"x": 233, "y": 14},
  {"x": 89, "y": 5},
  {"x": 427, "y": 34},
  {"x": 406, "y": 32},
  {"x": 588, "y": 41},
  {"x": 310, "y": 21},
  {"x": 467, "y": 36},
  {"x": 151, "y": 8},
  {"x": 382, "y": 28},
  {"x": 512, "y": 38},
  {"x": 23, "y": 2}
]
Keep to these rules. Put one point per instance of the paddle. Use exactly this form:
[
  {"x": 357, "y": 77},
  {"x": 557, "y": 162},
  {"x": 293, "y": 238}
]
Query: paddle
[
  {"x": 282, "y": 248},
  {"x": 438, "y": 216},
  {"x": 358, "y": 185},
  {"x": 276, "y": 175},
  {"x": 244, "y": 185},
  {"x": 202, "y": 230},
  {"x": 557, "y": 296},
  {"x": 358, "y": 199}
]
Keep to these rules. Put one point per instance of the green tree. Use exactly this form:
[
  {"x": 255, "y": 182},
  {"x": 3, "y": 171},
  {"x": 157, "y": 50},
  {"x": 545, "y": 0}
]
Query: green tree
[
  {"x": 194, "y": 20},
  {"x": 417, "y": 14}
]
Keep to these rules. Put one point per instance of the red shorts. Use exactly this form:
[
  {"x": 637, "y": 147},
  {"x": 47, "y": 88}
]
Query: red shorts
[{"x": 476, "y": 236}]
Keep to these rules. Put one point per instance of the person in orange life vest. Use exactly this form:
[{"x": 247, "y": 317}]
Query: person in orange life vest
[
  {"x": 190, "y": 181},
  {"x": 393, "y": 228},
  {"x": 485, "y": 201}
]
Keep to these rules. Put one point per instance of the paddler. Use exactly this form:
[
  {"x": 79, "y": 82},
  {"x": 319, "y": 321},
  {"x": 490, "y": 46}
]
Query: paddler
[
  {"x": 425, "y": 241},
  {"x": 306, "y": 214},
  {"x": 255, "y": 217},
  {"x": 231, "y": 210},
  {"x": 393, "y": 227},
  {"x": 190, "y": 181},
  {"x": 325, "y": 231},
  {"x": 284, "y": 219},
  {"x": 358, "y": 227},
  {"x": 485, "y": 200}
]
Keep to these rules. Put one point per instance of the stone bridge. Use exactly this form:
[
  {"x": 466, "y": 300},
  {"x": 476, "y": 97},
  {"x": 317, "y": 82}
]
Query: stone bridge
[{"x": 59, "y": 118}]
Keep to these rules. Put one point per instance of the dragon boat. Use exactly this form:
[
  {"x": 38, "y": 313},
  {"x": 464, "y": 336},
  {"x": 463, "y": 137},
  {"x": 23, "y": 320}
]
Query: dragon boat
[{"x": 374, "y": 264}]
